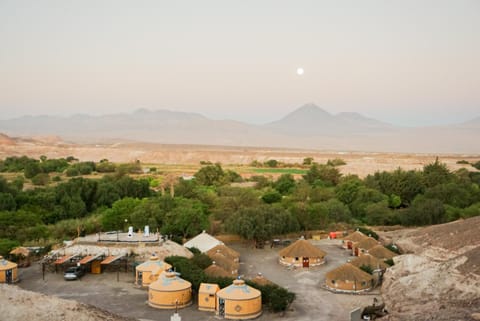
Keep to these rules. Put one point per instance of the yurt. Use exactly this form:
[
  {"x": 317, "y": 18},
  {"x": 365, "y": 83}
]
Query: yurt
[
  {"x": 239, "y": 301},
  {"x": 148, "y": 271},
  {"x": 8, "y": 271},
  {"x": 226, "y": 251},
  {"x": 381, "y": 252},
  {"x": 217, "y": 271},
  {"x": 203, "y": 242},
  {"x": 207, "y": 296},
  {"x": 348, "y": 240},
  {"x": 359, "y": 248},
  {"x": 348, "y": 278},
  {"x": 301, "y": 254},
  {"x": 169, "y": 292}
]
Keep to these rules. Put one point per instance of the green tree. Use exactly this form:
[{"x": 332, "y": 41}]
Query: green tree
[
  {"x": 114, "y": 218},
  {"x": 284, "y": 184},
  {"x": 325, "y": 173},
  {"x": 210, "y": 175},
  {"x": 425, "y": 211},
  {"x": 436, "y": 173}
]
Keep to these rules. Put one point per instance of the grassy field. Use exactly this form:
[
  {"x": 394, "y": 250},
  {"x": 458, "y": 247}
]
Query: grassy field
[{"x": 293, "y": 171}]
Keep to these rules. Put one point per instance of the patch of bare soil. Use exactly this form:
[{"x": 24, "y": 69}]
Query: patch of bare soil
[
  {"x": 439, "y": 278},
  {"x": 18, "y": 304},
  {"x": 359, "y": 163}
]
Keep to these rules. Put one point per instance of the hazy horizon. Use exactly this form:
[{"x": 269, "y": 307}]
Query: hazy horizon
[{"x": 409, "y": 63}]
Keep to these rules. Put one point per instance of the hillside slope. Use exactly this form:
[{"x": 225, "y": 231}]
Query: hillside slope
[{"x": 439, "y": 277}]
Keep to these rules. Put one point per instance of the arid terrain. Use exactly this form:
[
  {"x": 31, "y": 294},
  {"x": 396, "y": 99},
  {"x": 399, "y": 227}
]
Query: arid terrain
[
  {"x": 185, "y": 159},
  {"x": 438, "y": 277}
]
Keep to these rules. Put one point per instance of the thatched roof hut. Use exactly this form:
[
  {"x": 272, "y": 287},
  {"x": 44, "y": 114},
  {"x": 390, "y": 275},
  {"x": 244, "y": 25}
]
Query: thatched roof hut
[
  {"x": 226, "y": 251},
  {"x": 369, "y": 260},
  {"x": 225, "y": 262},
  {"x": 364, "y": 245},
  {"x": 381, "y": 252},
  {"x": 216, "y": 271},
  {"x": 302, "y": 254},
  {"x": 356, "y": 236},
  {"x": 348, "y": 278}
]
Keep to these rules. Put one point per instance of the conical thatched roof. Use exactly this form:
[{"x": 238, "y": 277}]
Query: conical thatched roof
[
  {"x": 20, "y": 251},
  {"x": 369, "y": 260},
  {"x": 217, "y": 271},
  {"x": 348, "y": 272},
  {"x": 261, "y": 280},
  {"x": 367, "y": 243},
  {"x": 225, "y": 262},
  {"x": 381, "y": 252},
  {"x": 356, "y": 236},
  {"x": 225, "y": 250},
  {"x": 302, "y": 248}
]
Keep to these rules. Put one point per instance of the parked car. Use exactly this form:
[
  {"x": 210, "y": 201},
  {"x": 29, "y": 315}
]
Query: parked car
[{"x": 74, "y": 273}]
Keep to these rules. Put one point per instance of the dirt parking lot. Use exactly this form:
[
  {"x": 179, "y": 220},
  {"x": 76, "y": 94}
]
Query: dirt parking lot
[{"x": 121, "y": 297}]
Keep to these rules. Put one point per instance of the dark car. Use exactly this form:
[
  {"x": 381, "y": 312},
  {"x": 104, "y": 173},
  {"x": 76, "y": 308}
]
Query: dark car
[{"x": 73, "y": 273}]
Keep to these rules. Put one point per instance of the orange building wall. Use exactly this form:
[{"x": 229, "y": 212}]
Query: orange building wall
[
  {"x": 242, "y": 309},
  {"x": 3, "y": 275},
  {"x": 166, "y": 300},
  {"x": 206, "y": 301}
]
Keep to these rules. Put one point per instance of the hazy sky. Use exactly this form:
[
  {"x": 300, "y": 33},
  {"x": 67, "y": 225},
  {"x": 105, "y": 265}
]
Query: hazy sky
[{"x": 407, "y": 62}]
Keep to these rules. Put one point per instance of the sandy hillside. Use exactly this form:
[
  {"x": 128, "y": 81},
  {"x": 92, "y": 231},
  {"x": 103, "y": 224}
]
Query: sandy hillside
[
  {"x": 18, "y": 304},
  {"x": 439, "y": 277}
]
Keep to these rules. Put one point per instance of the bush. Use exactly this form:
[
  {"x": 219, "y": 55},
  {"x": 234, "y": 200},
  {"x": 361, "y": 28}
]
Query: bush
[
  {"x": 368, "y": 232},
  {"x": 41, "y": 179},
  {"x": 71, "y": 172},
  {"x": 390, "y": 262},
  {"x": 463, "y": 162},
  {"x": 6, "y": 246},
  {"x": 393, "y": 248},
  {"x": 366, "y": 268}
]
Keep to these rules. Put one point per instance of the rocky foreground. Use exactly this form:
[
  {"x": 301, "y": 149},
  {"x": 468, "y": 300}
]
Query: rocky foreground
[
  {"x": 439, "y": 277},
  {"x": 19, "y": 304}
]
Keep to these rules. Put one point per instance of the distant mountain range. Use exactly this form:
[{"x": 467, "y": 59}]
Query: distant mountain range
[{"x": 308, "y": 127}]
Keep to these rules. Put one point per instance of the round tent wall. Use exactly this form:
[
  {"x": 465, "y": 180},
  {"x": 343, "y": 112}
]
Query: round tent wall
[
  {"x": 239, "y": 301},
  {"x": 169, "y": 292},
  {"x": 148, "y": 271},
  {"x": 301, "y": 254},
  {"x": 8, "y": 271}
]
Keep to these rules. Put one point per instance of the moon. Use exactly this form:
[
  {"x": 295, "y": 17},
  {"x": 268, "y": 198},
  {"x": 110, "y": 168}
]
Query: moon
[{"x": 300, "y": 71}]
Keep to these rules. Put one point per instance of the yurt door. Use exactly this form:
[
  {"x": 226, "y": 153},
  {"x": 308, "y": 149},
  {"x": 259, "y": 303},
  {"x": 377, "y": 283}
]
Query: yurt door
[
  {"x": 140, "y": 278},
  {"x": 221, "y": 307},
  {"x": 306, "y": 262},
  {"x": 8, "y": 276}
]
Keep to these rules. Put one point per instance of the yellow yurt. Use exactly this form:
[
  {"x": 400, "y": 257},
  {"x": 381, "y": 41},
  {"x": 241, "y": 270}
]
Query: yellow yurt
[
  {"x": 239, "y": 301},
  {"x": 148, "y": 271},
  {"x": 348, "y": 278},
  {"x": 169, "y": 291},
  {"x": 301, "y": 254},
  {"x": 8, "y": 271},
  {"x": 207, "y": 296}
]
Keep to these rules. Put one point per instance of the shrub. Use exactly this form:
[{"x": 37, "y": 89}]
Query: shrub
[
  {"x": 368, "y": 232},
  {"x": 41, "y": 179}
]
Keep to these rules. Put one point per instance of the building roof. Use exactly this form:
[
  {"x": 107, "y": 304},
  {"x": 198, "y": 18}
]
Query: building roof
[
  {"x": 217, "y": 271},
  {"x": 169, "y": 282},
  {"x": 225, "y": 262},
  {"x": 20, "y": 251},
  {"x": 154, "y": 263},
  {"x": 203, "y": 242},
  {"x": 348, "y": 272},
  {"x": 208, "y": 288},
  {"x": 381, "y": 252},
  {"x": 356, "y": 236},
  {"x": 369, "y": 260},
  {"x": 238, "y": 291},
  {"x": 111, "y": 259},
  {"x": 225, "y": 250},
  {"x": 302, "y": 248},
  {"x": 367, "y": 243},
  {"x": 261, "y": 280},
  {"x": 6, "y": 265}
]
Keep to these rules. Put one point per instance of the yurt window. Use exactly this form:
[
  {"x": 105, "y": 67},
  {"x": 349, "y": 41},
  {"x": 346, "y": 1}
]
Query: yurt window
[
  {"x": 211, "y": 295},
  {"x": 364, "y": 283},
  {"x": 333, "y": 281},
  {"x": 296, "y": 259}
]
